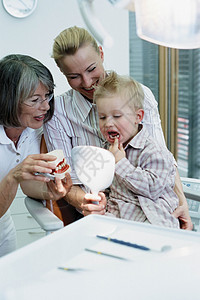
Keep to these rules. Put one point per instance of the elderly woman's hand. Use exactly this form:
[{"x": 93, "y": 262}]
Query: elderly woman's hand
[
  {"x": 89, "y": 207},
  {"x": 24, "y": 173},
  {"x": 34, "y": 163}
]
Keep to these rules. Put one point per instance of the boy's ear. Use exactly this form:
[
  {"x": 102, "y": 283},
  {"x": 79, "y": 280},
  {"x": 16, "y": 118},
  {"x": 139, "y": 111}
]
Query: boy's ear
[{"x": 139, "y": 115}]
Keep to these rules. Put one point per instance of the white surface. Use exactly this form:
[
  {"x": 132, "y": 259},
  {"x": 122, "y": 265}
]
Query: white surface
[
  {"x": 35, "y": 34},
  {"x": 31, "y": 272}
]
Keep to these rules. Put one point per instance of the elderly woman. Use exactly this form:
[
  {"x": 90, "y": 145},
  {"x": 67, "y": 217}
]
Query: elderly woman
[{"x": 26, "y": 101}]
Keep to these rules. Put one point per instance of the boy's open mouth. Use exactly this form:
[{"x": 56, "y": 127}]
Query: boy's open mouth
[{"x": 113, "y": 135}]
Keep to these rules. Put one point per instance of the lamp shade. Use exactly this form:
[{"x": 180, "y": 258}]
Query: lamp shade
[{"x": 171, "y": 23}]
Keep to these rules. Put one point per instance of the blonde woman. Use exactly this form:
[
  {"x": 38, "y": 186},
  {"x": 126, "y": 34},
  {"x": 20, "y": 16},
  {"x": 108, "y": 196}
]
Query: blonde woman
[{"x": 75, "y": 120}]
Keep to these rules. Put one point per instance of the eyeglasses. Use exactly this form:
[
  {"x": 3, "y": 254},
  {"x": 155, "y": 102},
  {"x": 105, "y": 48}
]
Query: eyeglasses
[{"x": 38, "y": 101}]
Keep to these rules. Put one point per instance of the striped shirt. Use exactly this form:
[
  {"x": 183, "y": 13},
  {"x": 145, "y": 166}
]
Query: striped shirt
[
  {"x": 143, "y": 183},
  {"x": 75, "y": 123}
]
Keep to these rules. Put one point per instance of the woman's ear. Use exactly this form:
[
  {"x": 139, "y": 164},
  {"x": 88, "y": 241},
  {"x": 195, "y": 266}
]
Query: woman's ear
[
  {"x": 101, "y": 53},
  {"x": 139, "y": 115}
]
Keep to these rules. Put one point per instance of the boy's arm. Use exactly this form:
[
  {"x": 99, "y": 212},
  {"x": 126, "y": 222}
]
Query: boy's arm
[
  {"x": 182, "y": 212},
  {"x": 149, "y": 177}
]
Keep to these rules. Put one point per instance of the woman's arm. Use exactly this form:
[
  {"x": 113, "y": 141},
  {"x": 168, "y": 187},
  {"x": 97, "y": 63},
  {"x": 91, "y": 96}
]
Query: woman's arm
[
  {"x": 83, "y": 202},
  {"x": 8, "y": 190},
  {"x": 23, "y": 171},
  {"x": 75, "y": 197},
  {"x": 47, "y": 190}
]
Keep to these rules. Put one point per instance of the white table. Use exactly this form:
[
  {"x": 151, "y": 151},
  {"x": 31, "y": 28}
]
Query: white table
[{"x": 32, "y": 272}]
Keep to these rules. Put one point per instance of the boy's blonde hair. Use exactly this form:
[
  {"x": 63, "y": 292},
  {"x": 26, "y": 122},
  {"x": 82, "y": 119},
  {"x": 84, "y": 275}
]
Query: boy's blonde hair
[
  {"x": 70, "y": 40},
  {"x": 124, "y": 86}
]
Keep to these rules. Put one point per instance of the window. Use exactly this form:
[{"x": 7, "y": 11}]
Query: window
[
  {"x": 189, "y": 112},
  {"x": 143, "y": 59},
  {"x": 183, "y": 76}
]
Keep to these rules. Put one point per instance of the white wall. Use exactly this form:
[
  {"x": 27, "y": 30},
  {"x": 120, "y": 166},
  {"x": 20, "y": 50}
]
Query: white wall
[{"x": 34, "y": 35}]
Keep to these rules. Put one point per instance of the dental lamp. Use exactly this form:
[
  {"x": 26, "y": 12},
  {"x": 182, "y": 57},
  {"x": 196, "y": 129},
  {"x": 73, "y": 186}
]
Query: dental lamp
[
  {"x": 171, "y": 23},
  {"x": 94, "y": 25}
]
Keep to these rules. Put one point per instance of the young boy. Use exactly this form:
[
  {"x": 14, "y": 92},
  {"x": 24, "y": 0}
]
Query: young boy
[{"x": 142, "y": 189}]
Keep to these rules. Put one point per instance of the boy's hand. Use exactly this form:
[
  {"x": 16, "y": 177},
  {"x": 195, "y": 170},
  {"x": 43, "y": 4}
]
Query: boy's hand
[{"x": 117, "y": 150}]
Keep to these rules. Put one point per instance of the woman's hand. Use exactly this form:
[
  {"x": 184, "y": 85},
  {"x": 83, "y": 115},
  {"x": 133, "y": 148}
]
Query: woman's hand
[
  {"x": 88, "y": 206},
  {"x": 182, "y": 211},
  {"x": 59, "y": 188},
  {"x": 117, "y": 150},
  {"x": 32, "y": 164},
  {"x": 182, "y": 214},
  {"x": 37, "y": 186}
]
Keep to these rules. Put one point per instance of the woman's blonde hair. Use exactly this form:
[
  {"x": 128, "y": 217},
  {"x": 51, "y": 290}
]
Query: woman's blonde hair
[
  {"x": 124, "y": 86},
  {"x": 70, "y": 40}
]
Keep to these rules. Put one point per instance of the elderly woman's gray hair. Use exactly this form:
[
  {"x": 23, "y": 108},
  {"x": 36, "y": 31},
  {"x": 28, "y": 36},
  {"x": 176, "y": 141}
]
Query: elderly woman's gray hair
[{"x": 19, "y": 78}]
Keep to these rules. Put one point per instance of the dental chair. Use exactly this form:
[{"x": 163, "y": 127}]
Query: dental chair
[
  {"x": 58, "y": 214},
  {"x": 52, "y": 215},
  {"x": 191, "y": 188}
]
